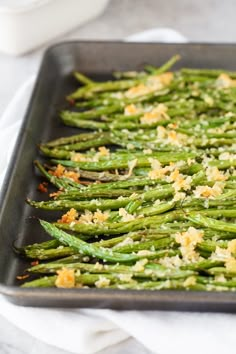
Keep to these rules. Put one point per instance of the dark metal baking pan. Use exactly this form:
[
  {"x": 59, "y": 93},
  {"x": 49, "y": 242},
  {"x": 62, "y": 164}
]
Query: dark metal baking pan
[{"x": 17, "y": 222}]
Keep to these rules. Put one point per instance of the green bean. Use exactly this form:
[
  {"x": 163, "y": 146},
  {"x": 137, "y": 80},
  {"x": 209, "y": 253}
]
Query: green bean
[
  {"x": 91, "y": 250},
  {"x": 153, "y": 210},
  {"x": 211, "y": 223}
]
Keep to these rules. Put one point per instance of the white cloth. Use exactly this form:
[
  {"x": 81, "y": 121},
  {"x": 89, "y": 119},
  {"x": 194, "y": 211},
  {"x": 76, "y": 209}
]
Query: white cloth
[
  {"x": 10, "y": 123},
  {"x": 167, "y": 35},
  {"x": 88, "y": 330}
]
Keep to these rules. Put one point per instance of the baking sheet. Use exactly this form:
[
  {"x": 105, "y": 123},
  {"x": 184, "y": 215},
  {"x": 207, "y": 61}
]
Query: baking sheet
[{"x": 18, "y": 221}]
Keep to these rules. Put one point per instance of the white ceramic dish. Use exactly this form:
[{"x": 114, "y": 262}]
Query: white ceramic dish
[{"x": 27, "y": 24}]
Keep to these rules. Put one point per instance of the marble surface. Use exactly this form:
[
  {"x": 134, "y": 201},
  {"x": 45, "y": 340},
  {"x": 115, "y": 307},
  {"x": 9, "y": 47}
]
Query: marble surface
[{"x": 209, "y": 20}]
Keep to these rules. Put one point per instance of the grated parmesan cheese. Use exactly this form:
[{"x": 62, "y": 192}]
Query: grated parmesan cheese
[
  {"x": 190, "y": 161},
  {"x": 58, "y": 171},
  {"x": 224, "y": 81},
  {"x": 147, "y": 151},
  {"x": 180, "y": 182},
  {"x": 209, "y": 192},
  {"x": 170, "y": 136},
  {"x": 130, "y": 110},
  {"x": 161, "y": 132},
  {"x": 213, "y": 174},
  {"x": 188, "y": 241},
  {"x": 125, "y": 242},
  {"x": 160, "y": 81},
  {"x": 103, "y": 151},
  {"x": 98, "y": 266},
  {"x": 131, "y": 164},
  {"x": 144, "y": 253},
  {"x": 102, "y": 282},
  {"x": 78, "y": 157},
  {"x": 139, "y": 265},
  {"x": 209, "y": 100},
  {"x": 227, "y": 156},
  {"x": 220, "y": 278},
  {"x": 126, "y": 278},
  {"x": 154, "y": 83},
  {"x": 157, "y": 171},
  {"x": 137, "y": 91},
  {"x": 179, "y": 196},
  {"x": 86, "y": 218},
  {"x": 190, "y": 237},
  {"x": 157, "y": 202},
  {"x": 99, "y": 217},
  {"x": 190, "y": 281},
  {"x": 230, "y": 265},
  {"x": 125, "y": 216},
  {"x": 130, "y": 146},
  {"x": 221, "y": 254},
  {"x": 232, "y": 246},
  {"x": 171, "y": 262},
  {"x": 156, "y": 114}
]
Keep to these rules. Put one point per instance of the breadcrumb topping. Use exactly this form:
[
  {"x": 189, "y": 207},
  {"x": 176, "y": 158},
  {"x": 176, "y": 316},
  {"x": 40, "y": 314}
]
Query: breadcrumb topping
[
  {"x": 60, "y": 171},
  {"x": 72, "y": 217},
  {"x": 161, "y": 132},
  {"x": 213, "y": 174},
  {"x": 130, "y": 110},
  {"x": 224, "y": 81},
  {"x": 209, "y": 192},
  {"x": 154, "y": 83},
  {"x": 65, "y": 278},
  {"x": 171, "y": 136},
  {"x": 138, "y": 90},
  {"x": 157, "y": 171},
  {"x": 100, "y": 217},
  {"x": 155, "y": 115},
  {"x": 42, "y": 187},
  {"x": 69, "y": 217},
  {"x": 188, "y": 241},
  {"x": 74, "y": 176},
  {"x": 160, "y": 81}
]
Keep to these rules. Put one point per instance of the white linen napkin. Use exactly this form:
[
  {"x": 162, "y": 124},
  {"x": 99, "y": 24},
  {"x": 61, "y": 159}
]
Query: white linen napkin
[
  {"x": 85, "y": 331},
  {"x": 166, "y": 35}
]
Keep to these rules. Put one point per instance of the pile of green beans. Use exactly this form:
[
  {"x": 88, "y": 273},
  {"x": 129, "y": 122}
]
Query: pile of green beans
[{"x": 146, "y": 188}]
